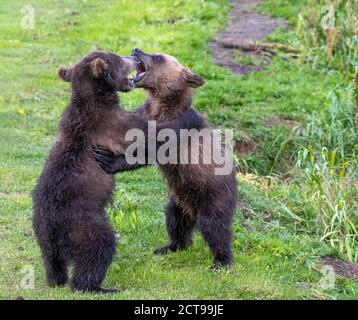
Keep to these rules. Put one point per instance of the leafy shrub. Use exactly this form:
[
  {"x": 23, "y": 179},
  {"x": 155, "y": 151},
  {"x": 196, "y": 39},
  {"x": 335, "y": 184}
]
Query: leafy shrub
[
  {"x": 328, "y": 34},
  {"x": 323, "y": 196}
]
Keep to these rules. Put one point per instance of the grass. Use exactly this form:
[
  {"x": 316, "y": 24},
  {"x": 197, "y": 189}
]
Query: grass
[
  {"x": 275, "y": 257},
  {"x": 326, "y": 163}
]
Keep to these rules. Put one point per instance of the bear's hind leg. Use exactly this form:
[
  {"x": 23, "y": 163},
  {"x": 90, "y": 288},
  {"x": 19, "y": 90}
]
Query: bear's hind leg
[
  {"x": 92, "y": 261},
  {"x": 180, "y": 227},
  {"x": 216, "y": 230},
  {"x": 56, "y": 269}
]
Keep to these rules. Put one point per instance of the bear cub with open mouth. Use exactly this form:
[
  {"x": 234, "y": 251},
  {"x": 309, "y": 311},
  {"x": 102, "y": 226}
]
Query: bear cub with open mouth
[{"x": 199, "y": 198}]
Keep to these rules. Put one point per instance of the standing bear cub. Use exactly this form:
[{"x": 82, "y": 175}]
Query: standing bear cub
[
  {"x": 69, "y": 200},
  {"x": 199, "y": 197}
]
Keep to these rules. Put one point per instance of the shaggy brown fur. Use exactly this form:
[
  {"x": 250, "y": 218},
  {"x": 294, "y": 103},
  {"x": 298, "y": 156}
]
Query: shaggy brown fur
[
  {"x": 198, "y": 196},
  {"x": 69, "y": 218}
]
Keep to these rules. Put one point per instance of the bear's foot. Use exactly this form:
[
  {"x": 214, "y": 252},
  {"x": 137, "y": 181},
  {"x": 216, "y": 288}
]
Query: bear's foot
[
  {"x": 57, "y": 283},
  {"x": 166, "y": 249},
  {"x": 171, "y": 247},
  {"x": 106, "y": 291},
  {"x": 98, "y": 290},
  {"x": 223, "y": 262},
  {"x": 57, "y": 280}
]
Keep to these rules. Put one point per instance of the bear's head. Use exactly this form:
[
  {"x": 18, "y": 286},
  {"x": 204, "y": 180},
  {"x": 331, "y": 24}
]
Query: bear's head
[
  {"x": 100, "y": 72},
  {"x": 163, "y": 74}
]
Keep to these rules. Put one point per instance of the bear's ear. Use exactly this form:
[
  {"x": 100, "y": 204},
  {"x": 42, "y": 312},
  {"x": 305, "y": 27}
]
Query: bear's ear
[
  {"x": 98, "y": 67},
  {"x": 193, "y": 79},
  {"x": 65, "y": 74}
]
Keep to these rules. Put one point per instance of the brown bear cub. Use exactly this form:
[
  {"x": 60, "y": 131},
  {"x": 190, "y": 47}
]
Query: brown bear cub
[
  {"x": 199, "y": 197},
  {"x": 69, "y": 200}
]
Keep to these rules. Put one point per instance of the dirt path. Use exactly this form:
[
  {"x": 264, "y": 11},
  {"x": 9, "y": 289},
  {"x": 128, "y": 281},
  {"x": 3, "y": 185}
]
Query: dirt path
[
  {"x": 343, "y": 269},
  {"x": 244, "y": 26}
]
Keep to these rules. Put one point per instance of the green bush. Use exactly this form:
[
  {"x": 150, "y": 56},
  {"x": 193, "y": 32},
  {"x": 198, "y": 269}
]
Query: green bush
[
  {"x": 328, "y": 34},
  {"x": 324, "y": 195}
]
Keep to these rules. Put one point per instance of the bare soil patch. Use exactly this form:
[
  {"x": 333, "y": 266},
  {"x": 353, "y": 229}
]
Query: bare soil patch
[
  {"x": 344, "y": 269},
  {"x": 280, "y": 121},
  {"x": 244, "y": 27},
  {"x": 244, "y": 147}
]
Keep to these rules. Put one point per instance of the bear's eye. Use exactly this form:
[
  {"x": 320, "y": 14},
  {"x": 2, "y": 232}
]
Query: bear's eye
[{"x": 159, "y": 58}]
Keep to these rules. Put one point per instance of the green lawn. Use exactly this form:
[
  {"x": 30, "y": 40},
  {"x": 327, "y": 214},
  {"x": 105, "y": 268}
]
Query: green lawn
[{"x": 273, "y": 260}]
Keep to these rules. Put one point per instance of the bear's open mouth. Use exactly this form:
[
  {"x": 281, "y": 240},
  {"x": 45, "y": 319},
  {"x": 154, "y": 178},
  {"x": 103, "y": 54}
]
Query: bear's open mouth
[{"x": 140, "y": 72}]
